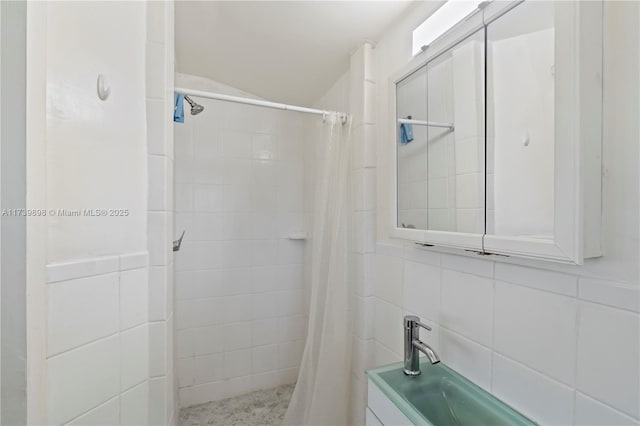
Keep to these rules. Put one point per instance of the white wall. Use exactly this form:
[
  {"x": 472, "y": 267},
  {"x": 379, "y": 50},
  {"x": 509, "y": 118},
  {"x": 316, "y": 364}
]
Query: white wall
[
  {"x": 240, "y": 293},
  {"x": 363, "y": 81},
  {"x": 560, "y": 343},
  {"x": 90, "y": 165},
  {"x": 159, "y": 102},
  {"x": 13, "y": 167},
  {"x": 87, "y": 276},
  {"x": 353, "y": 92},
  {"x": 97, "y": 341}
]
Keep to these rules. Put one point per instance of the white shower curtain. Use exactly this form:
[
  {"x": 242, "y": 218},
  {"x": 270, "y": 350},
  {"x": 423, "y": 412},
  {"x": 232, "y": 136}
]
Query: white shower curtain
[{"x": 322, "y": 393}]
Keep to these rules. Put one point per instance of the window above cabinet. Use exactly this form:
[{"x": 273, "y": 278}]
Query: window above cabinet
[{"x": 497, "y": 134}]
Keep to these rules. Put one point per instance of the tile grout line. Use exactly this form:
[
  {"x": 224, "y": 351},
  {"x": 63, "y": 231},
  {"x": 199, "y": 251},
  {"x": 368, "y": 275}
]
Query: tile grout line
[
  {"x": 120, "y": 348},
  {"x": 493, "y": 324}
]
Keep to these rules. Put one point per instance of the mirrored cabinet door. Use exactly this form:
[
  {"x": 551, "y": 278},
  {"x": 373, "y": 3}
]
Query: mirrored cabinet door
[
  {"x": 440, "y": 142},
  {"x": 544, "y": 103},
  {"x": 521, "y": 122},
  {"x": 412, "y": 151}
]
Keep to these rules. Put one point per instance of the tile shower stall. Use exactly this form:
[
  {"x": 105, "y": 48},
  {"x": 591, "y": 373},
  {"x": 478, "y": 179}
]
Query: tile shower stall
[{"x": 242, "y": 179}]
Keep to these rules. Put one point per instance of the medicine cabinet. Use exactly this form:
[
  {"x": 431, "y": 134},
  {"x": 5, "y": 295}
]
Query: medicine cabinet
[{"x": 497, "y": 134}]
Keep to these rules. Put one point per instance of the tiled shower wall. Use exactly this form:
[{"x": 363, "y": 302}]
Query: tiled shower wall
[{"x": 241, "y": 301}]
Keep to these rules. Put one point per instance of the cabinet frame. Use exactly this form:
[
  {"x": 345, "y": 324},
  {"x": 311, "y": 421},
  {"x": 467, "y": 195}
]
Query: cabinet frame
[{"x": 577, "y": 139}]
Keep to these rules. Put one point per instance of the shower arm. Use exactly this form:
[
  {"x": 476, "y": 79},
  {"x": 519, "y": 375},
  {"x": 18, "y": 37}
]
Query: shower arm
[{"x": 188, "y": 99}]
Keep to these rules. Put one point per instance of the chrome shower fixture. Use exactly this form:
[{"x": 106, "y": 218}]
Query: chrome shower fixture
[{"x": 195, "y": 108}]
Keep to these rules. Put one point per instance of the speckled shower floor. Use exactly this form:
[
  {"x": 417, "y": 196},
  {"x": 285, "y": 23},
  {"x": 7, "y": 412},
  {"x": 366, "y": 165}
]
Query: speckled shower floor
[{"x": 260, "y": 408}]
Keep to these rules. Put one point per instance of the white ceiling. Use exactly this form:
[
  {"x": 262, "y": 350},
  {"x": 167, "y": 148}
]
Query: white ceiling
[{"x": 283, "y": 51}]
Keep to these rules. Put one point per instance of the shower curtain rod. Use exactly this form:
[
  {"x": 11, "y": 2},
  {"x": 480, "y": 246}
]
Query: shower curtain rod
[
  {"x": 425, "y": 123},
  {"x": 257, "y": 102}
]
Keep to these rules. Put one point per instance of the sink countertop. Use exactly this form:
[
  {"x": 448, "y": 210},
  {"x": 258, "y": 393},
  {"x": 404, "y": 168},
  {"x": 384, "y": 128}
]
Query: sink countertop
[{"x": 441, "y": 396}]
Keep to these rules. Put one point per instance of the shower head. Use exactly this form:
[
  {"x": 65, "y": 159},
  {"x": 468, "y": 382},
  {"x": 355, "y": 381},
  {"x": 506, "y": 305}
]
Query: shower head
[{"x": 195, "y": 108}]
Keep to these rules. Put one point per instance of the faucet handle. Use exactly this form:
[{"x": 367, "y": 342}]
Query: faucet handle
[
  {"x": 425, "y": 326},
  {"x": 411, "y": 321}
]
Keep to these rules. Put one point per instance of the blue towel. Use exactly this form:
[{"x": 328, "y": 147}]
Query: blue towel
[
  {"x": 406, "y": 133},
  {"x": 178, "y": 108}
]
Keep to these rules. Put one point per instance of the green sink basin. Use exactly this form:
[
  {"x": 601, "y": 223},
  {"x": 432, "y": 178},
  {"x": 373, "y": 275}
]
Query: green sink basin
[{"x": 441, "y": 397}]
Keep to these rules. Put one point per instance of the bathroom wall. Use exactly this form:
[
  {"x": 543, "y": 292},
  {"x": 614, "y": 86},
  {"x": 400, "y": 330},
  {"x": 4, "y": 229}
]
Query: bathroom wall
[
  {"x": 97, "y": 341},
  {"x": 159, "y": 102},
  {"x": 362, "y": 87},
  {"x": 87, "y": 274},
  {"x": 241, "y": 301},
  {"x": 13, "y": 118},
  {"x": 87, "y": 160},
  {"x": 354, "y": 92},
  {"x": 558, "y": 342}
]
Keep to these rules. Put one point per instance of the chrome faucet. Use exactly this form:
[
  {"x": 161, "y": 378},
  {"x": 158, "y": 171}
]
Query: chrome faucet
[{"x": 412, "y": 345}]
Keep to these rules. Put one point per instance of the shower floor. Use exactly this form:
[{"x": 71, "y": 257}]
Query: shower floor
[{"x": 264, "y": 407}]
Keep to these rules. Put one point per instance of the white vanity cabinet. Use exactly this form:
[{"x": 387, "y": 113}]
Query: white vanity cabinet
[
  {"x": 497, "y": 135},
  {"x": 370, "y": 419},
  {"x": 381, "y": 411}
]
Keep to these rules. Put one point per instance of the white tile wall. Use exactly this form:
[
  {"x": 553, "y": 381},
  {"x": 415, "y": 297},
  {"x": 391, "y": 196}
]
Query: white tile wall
[
  {"x": 609, "y": 357},
  {"x": 133, "y": 297},
  {"x": 537, "y": 278},
  {"x": 463, "y": 354},
  {"x": 467, "y": 305},
  {"x": 559, "y": 355},
  {"x": 361, "y": 89},
  {"x": 593, "y": 413},
  {"x": 534, "y": 394},
  {"x": 80, "y": 311},
  {"x": 240, "y": 290},
  {"x": 82, "y": 379},
  {"x": 97, "y": 338},
  {"x": 107, "y": 414},
  {"x": 157, "y": 349},
  {"x": 388, "y": 325},
  {"x": 158, "y": 400},
  {"x": 386, "y": 285},
  {"x": 536, "y": 328},
  {"x": 158, "y": 336},
  {"x": 134, "y": 408},
  {"x": 422, "y": 290},
  {"x": 134, "y": 356}
]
